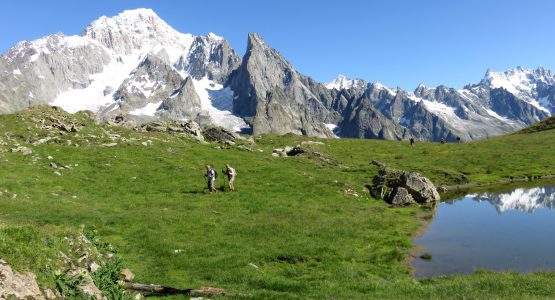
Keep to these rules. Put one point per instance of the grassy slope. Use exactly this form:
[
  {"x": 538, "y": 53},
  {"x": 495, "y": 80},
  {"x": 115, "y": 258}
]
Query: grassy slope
[{"x": 291, "y": 217}]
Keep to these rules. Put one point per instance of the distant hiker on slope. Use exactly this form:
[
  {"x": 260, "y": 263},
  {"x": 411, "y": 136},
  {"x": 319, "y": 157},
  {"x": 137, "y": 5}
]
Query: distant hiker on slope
[
  {"x": 411, "y": 140},
  {"x": 211, "y": 177},
  {"x": 230, "y": 176}
]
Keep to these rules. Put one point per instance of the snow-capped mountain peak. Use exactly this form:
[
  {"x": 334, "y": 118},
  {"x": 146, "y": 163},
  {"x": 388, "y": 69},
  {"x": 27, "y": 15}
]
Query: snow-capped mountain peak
[
  {"x": 343, "y": 83},
  {"x": 138, "y": 29},
  {"x": 525, "y": 84}
]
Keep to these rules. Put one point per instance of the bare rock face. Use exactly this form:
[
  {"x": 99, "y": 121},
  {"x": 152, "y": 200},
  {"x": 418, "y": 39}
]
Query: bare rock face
[
  {"x": 20, "y": 286},
  {"x": 210, "y": 56},
  {"x": 274, "y": 97},
  {"x": 151, "y": 82},
  {"x": 183, "y": 103}
]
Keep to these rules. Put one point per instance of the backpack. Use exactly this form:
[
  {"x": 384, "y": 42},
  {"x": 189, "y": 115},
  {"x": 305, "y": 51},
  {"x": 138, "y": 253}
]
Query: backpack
[{"x": 215, "y": 173}]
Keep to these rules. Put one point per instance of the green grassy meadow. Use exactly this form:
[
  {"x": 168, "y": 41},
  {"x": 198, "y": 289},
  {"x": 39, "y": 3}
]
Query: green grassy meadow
[{"x": 297, "y": 227}]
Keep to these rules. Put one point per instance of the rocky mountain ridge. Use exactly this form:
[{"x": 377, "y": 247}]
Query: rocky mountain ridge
[{"x": 137, "y": 65}]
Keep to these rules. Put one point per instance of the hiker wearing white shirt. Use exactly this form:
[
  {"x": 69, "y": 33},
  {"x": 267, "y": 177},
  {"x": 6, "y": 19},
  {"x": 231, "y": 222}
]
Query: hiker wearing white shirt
[{"x": 230, "y": 176}]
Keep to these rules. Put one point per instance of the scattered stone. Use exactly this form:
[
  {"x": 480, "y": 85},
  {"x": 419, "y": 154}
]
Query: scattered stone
[
  {"x": 378, "y": 163},
  {"x": 254, "y": 266},
  {"x": 53, "y": 165},
  {"x": 24, "y": 150},
  {"x": 311, "y": 143},
  {"x": 93, "y": 267},
  {"x": 442, "y": 189},
  {"x": 177, "y": 250},
  {"x": 50, "y": 157},
  {"x": 109, "y": 145},
  {"x": 245, "y": 148},
  {"x": 88, "y": 287},
  {"x": 127, "y": 275},
  {"x": 57, "y": 173}
]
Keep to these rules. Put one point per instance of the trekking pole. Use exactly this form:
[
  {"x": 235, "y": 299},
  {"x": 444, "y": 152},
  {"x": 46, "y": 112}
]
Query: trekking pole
[{"x": 225, "y": 180}]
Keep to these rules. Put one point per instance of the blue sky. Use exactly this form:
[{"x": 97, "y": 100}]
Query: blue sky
[{"x": 399, "y": 43}]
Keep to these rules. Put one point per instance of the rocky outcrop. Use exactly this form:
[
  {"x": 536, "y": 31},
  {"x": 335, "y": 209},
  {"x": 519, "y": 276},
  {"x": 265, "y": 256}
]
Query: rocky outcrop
[
  {"x": 221, "y": 135},
  {"x": 17, "y": 285},
  {"x": 210, "y": 56},
  {"x": 183, "y": 103},
  {"x": 188, "y": 128},
  {"x": 403, "y": 188},
  {"x": 151, "y": 82},
  {"x": 273, "y": 97}
]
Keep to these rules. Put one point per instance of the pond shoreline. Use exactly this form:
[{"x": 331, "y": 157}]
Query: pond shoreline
[{"x": 449, "y": 188}]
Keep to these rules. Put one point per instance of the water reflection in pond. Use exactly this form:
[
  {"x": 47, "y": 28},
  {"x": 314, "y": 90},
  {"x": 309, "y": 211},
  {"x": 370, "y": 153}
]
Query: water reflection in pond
[{"x": 510, "y": 231}]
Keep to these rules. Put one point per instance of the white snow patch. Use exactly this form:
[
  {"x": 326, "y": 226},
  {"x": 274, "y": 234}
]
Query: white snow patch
[
  {"x": 332, "y": 128},
  {"x": 414, "y": 98},
  {"x": 496, "y": 115},
  {"x": 544, "y": 101},
  {"x": 147, "y": 110},
  {"x": 17, "y": 72},
  {"x": 75, "y": 41},
  {"x": 92, "y": 97},
  {"x": 218, "y": 101},
  {"x": 380, "y": 86},
  {"x": 34, "y": 57}
]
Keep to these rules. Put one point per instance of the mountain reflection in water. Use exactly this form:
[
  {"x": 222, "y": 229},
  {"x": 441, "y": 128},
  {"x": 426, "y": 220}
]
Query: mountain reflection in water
[
  {"x": 498, "y": 231},
  {"x": 522, "y": 199}
]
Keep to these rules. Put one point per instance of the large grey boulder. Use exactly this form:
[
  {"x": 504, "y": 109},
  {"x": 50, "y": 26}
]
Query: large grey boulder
[
  {"x": 420, "y": 187},
  {"x": 401, "y": 188},
  {"x": 400, "y": 196}
]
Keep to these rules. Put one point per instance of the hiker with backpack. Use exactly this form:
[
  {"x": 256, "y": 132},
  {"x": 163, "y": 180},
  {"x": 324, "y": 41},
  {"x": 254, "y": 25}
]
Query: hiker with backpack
[
  {"x": 230, "y": 176},
  {"x": 211, "y": 177}
]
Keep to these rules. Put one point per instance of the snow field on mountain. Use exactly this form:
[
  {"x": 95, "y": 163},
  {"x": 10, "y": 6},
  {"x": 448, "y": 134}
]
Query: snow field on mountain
[
  {"x": 218, "y": 101},
  {"x": 92, "y": 97}
]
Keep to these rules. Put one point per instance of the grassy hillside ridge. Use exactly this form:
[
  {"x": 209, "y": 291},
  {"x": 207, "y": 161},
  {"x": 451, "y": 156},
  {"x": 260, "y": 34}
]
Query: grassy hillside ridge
[
  {"x": 546, "y": 124},
  {"x": 298, "y": 227}
]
